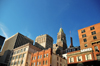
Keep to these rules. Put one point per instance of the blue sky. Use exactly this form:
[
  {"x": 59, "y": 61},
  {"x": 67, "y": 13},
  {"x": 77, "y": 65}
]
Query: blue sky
[{"x": 35, "y": 17}]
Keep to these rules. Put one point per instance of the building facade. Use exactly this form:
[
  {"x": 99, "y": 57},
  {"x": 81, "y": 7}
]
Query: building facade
[
  {"x": 21, "y": 56},
  {"x": 44, "y": 41},
  {"x": 11, "y": 43},
  {"x": 61, "y": 42},
  {"x": 47, "y": 58},
  {"x": 89, "y": 53}
]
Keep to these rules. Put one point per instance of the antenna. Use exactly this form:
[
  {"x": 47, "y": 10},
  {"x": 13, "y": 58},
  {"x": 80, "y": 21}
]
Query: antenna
[
  {"x": 60, "y": 25},
  {"x": 70, "y": 33}
]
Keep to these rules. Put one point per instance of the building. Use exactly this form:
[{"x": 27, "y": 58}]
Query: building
[
  {"x": 1, "y": 42},
  {"x": 47, "y": 58},
  {"x": 44, "y": 41},
  {"x": 21, "y": 56},
  {"x": 89, "y": 53},
  {"x": 61, "y": 42},
  {"x": 11, "y": 43}
]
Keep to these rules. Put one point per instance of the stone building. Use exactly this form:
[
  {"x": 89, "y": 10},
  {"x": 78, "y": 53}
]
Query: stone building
[
  {"x": 44, "y": 41},
  {"x": 61, "y": 42},
  {"x": 11, "y": 43},
  {"x": 21, "y": 56}
]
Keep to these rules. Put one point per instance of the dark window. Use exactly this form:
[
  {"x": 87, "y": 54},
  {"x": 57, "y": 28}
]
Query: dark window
[
  {"x": 96, "y": 48},
  {"x": 43, "y": 62},
  {"x": 84, "y": 35},
  {"x": 94, "y": 37},
  {"x": 84, "y": 40},
  {"x": 82, "y": 31},
  {"x": 57, "y": 58},
  {"x": 57, "y": 64},
  {"x": 85, "y": 45},
  {"x": 92, "y": 28},
  {"x": 93, "y": 32}
]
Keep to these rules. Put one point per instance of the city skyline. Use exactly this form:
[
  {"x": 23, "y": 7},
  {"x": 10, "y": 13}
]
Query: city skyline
[{"x": 33, "y": 18}]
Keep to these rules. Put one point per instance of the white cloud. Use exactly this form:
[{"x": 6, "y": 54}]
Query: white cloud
[{"x": 3, "y": 28}]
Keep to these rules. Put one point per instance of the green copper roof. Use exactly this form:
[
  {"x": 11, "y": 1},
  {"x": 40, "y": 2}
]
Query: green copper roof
[{"x": 61, "y": 30}]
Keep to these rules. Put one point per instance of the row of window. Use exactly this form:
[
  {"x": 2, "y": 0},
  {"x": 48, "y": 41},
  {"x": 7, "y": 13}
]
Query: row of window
[
  {"x": 39, "y": 63},
  {"x": 91, "y": 28},
  {"x": 18, "y": 56},
  {"x": 40, "y": 56},
  {"x": 94, "y": 37},
  {"x": 16, "y": 62},
  {"x": 84, "y": 35},
  {"x": 70, "y": 50},
  {"x": 79, "y": 58},
  {"x": 19, "y": 51}
]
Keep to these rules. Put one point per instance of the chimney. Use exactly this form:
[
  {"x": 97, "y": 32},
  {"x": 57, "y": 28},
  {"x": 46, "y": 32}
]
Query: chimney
[{"x": 71, "y": 45}]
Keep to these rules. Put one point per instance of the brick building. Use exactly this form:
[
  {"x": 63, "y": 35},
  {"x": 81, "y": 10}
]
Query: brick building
[
  {"x": 47, "y": 58},
  {"x": 89, "y": 53}
]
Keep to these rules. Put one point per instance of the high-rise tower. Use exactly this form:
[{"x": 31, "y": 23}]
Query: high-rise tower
[{"x": 61, "y": 39}]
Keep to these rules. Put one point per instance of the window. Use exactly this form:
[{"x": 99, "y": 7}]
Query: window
[
  {"x": 22, "y": 62},
  {"x": 12, "y": 63},
  {"x": 94, "y": 37},
  {"x": 73, "y": 49},
  {"x": 32, "y": 58},
  {"x": 43, "y": 62},
  {"x": 20, "y": 56},
  {"x": 60, "y": 64},
  {"x": 57, "y": 58},
  {"x": 46, "y": 62},
  {"x": 32, "y": 64},
  {"x": 57, "y": 64},
  {"x": 24, "y": 49},
  {"x": 21, "y": 50},
  {"x": 96, "y": 48},
  {"x": 93, "y": 32},
  {"x": 18, "y": 62},
  {"x": 60, "y": 59},
  {"x": 35, "y": 57},
  {"x": 85, "y": 45},
  {"x": 15, "y": 52},
  {"x": 84, "y": 35},
  {"x": 38, "y": 57},
  {"x": 92, "y": 28},
  {"x": 39, "y": 63},
  {"x": 47, "y": 54},
  {"x": 88, "y": 57},
  {"x": 79, "y": 58},
  {"x": 16, "y": 57},
  {"x": 84, "y": 40},
  {"x": 82, "y": 31},
  {"x": 23, "y": 55},
  {"x": 18, "y": 51},
  {"x": 44, "y": 55},
  {"x": 15, "y": 63},
  {"x": 71, "y": 60}
]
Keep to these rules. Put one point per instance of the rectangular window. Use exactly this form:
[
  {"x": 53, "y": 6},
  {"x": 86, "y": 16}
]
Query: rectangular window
[
  {"x": 85, "y": 40},
  {"x": 93, "y": 32},
  {"x": 23, "y": 55},
  {"x": 79, "y": 58},
  {"x": 94, "y": 37},
  {"x": 39, "y": 63},
  {"x": 82, "y": 31},
  {"x": 96, "y": 48},
  {"x": 71, "y": 60},
  {"x": 24, "y": 49},
  {"x": 57, "y": 58},
  {"x": 34, "y": 63},
  {"x": 47, "y": 54},
  {"x": 88, "y": 57},
  {"x": 46, "y": 62},
  {"x": 43, "y": 62},
  {"x": 38, "y": 57},
  {"x": 92, "y": 28},
  {"x": 57, "y": 64},
  {"x": 84, "y": 35},
  {"x": 85, "y": 45},
  {"x": 20, "y": 56},
  {"x": 60, "y": 64}
]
